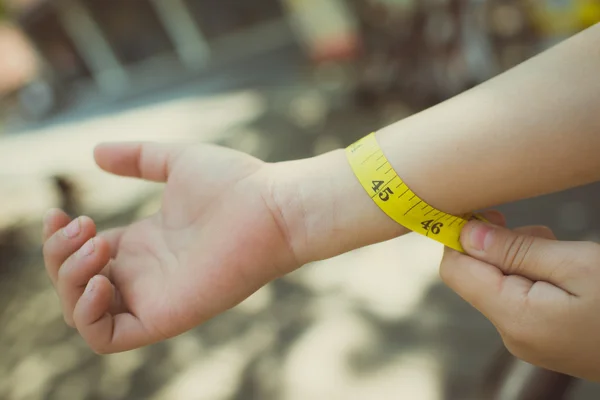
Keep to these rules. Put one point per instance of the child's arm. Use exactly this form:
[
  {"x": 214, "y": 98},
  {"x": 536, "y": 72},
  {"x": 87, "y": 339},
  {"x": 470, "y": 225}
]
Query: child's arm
[
  {"x": 229, "y": 224},
  {"x": 532, "y": 130}
]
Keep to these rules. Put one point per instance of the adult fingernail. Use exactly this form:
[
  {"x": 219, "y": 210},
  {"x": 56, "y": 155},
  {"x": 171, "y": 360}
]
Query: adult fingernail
[
  {"x": 479, "y": 235},
  {"x": 73, "y": 229},
  {"x": 87, "y": 249}
]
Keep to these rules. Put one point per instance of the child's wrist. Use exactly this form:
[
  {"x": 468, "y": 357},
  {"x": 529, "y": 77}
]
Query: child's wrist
[
  {"x": 324, "y": 210},
  {"x": 295, "y": 192}
]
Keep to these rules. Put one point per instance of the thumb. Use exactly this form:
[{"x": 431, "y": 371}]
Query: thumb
[
  {"x": 529, "y": 253},
  {"x": 151, "y": 161}
]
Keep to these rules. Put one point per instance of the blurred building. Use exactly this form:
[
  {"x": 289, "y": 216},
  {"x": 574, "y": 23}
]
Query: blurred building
[
  {"x": 76, "y": 51},
  {"x": 115, "y": 48}
]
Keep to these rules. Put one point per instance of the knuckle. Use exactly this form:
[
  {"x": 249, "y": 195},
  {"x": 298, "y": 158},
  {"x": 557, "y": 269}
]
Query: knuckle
[
  {"x": 517, "y": 249},
  {"x": 515, "y": 349},
  {"x": 448, "y": 266},
  {"x": 99, "y": 349},
  {"x": 97, "y": 343},
  {"x": 69, "y": 321}
]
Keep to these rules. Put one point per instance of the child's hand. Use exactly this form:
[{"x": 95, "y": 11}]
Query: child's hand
[
  {"x": 215, "y": 241},
  {"x": 542, "y": 295}
]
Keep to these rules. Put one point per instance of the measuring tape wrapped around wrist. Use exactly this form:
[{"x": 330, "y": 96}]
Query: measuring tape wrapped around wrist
[{"x": 394, "y": 197}]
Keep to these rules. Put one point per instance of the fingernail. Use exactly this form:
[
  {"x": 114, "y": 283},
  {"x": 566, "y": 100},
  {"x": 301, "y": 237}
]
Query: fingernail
[
  {"x": 87, "y": 249},
  {"x": 73, "y": 229},
  {"x": 479, "y": 235}
]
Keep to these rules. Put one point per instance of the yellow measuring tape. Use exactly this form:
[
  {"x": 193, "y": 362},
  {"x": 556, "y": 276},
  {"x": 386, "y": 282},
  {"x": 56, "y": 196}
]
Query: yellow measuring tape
[{"x": 391, "y": 194}]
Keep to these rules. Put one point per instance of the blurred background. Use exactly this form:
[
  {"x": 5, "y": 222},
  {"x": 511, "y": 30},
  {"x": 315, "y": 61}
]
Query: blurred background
[{"x": 279, "y": 79}]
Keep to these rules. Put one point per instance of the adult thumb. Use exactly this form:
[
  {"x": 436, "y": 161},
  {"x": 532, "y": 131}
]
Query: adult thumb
[{"x": 531, "y": 252}]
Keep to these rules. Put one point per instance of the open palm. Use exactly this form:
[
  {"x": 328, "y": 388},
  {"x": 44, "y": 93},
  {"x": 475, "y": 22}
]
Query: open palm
[{"x": 214, "y": 242}]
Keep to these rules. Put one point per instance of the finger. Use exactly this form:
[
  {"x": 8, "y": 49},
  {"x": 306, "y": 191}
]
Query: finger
[
  {"x": 103, "y": 332},
  {"x": 113, "y": 238},
  {"x": 486, "y": 287},
  {"x": 499, "y": 297},
  {"x": 64, "y": 242},
  {"x": 495, "y": 217},
  {"x": 76, "y": 272},
  {"x": 451, "y": 256},
  {"x": 516, "y": 253},
  {"x": 477, "y": 282},
  {"x": 54, "y": 220},
  {"x": 151, "y": 161},
  {"x": 538, "y": 231},
  {"x": 541, "y": 290}
]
